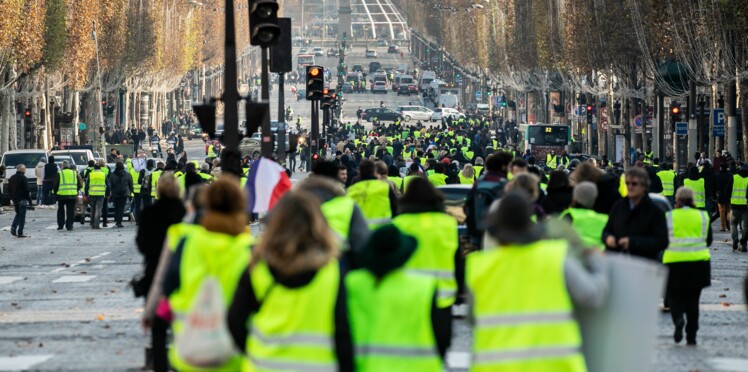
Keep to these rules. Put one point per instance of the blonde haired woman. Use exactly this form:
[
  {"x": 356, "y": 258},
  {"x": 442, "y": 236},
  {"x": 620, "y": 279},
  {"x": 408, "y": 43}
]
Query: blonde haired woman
[
  {"x": 467, "y": 174},
  {"x": 289, "y": 309}
]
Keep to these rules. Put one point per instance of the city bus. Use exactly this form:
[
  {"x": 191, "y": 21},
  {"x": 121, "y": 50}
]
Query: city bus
[
  {"x": 540, "y": 139},
  {"x": 304, "y": 60}
]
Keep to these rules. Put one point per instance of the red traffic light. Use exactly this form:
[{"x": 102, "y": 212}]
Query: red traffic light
[
  {"x": 27, "y": 113},
  {"x": 675, "y": 110},
  {"x": 103, "y": 102},
  {"x": 315, "y": 156},
  {"x": 325, "y": 91},
  {"x": 589, "y": 108},
  {"x": 314, "y": 71}
]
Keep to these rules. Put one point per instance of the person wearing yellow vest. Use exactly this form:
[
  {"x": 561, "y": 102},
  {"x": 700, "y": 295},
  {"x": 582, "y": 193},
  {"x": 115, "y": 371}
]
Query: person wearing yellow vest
[
  {"x": 438, "y": 178},
  {"x": 549, "y": 280},
  {"x": 467, "y": 175},
  {"x": 377, "y": 200},
  {"x": 478, "y": 166},
  {"x": 584, "y": 220},
  {"x": 422, "y": 216},
  {"x": 97, "y": 189},
  {"x": 738, "y": 195},
  {"x": 191, "y": 178},
  {"x": 697, "y": 184},
  {"x": 414, "y": 172},
  {"x": 300, "y": 269},
  {"x": 154, "y": 179},
  {"x": 136, "y": 204},
  {"x": 341, "y": 212},
  {"x": 551, "y": 160},
  {"x": 667, "y": 178},
  {"x": 393, "y": 175},
  {"x": 66, "y": 191},
  {"x": 395, "y": 324},
  {"x": 688, "y": 260},
  {"x": 216, "y": 252}
]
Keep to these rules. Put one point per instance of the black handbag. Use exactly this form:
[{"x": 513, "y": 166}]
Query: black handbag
[{"x": 138, "y": 285}]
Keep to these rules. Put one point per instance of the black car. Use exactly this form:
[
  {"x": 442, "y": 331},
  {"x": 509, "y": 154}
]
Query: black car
[
  {"x": 300, "y": 94},
  {"x": 393, "y": 49},
  {"x": 382, "y": 114}
]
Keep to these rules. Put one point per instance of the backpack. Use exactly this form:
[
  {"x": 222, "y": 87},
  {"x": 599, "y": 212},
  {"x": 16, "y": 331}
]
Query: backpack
[
  {"x": 145, "y": 183},
  {"x": 205, "y": 340},
  {"x": 479, "y": 201}
]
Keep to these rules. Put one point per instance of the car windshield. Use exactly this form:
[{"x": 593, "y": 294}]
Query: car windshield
[{"x": 28, "y": 159}]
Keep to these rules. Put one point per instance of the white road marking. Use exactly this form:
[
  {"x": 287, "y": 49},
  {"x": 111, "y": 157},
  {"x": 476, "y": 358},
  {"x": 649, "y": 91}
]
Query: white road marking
[
  {"x": 81, "y": 262},
  {"x": 51, "y": 227},
  {"x": 458, "y": 359},
  {"x": 22, "y": 362},
  {"x": 9, "y": 279},
  {"x": 6, "y": 228},
  {"x": 729, "y": 364},
  {"x": 108, "y": 261},
  {"x": 719, "y": 307},
  {"x": 71, "y": 315},
  {"x": 74, "y": 279}
]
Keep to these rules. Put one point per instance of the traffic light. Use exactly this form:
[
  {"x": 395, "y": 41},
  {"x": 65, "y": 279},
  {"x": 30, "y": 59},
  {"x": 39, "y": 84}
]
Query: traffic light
[
  {"x": 326, "y": 99},
  {"x": 27, "y": 114},
  {"x": 263, "y": 22},
  {"x": 589, "y": 114},
  {"x": 315, "y": 83},
  {"x": 206, "y": 116},
  {"x": 675, "y": 112},
  {"x": 503, "y": 101}
]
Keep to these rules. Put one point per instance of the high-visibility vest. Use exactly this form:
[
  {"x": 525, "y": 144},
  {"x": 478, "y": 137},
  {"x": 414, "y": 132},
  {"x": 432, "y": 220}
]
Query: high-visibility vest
[
  {"x": 135, "y": 184},
  {"x": 436, "y": 233},
  {"x": 398, "y": 181},
  {"x": 466, "y": 180},
  {"x": 523, "y": 314},
  {"x": 648, "y": 157},
  {"x": 589, "y": 225},
  {"x": 68, "y": 183},
  {"x": 391, "y": 322},
  {"x": 687, "y": 232},
  {"x": 739, "y": 187},
  {"x": 437, "y": 179},
  {"x": 204, "y": 254},
  {"x": 297, "y": 337},
  {"x": 667, "y": 177},
  {"x": 177, "y": 232},
  {"x": 154, "y": 182},
  {"x": 338, "y": 212},
  {"x": 96, "y": 183},
  {"x": 205, "y": 176},
  {"x": 373, "y": 197},
  {"x": 551, "y": 161},
  {"x": 478, "y": 169},
  {"x": 699, "y": 192},
  {"x": 407, "y": 180},
  {"x": 622, "y": 186}
]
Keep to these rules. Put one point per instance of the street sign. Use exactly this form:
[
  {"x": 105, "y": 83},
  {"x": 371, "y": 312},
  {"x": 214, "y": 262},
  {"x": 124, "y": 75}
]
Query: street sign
[
  {"x": 718, "y": 121},
  {"x": 638, "y": 121},
  {"x": 82, "y": 126},
  {"x": 604, "y": 118},
  {"x": 478, "y": 94},
  {"x": 681, "y": 128}
]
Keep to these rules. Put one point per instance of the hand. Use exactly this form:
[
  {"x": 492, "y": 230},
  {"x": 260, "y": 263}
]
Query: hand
[
  {"x": 624, "y": 243},
  {"x": 145, "y": 323},
  {"x": 610, "y": 241}
]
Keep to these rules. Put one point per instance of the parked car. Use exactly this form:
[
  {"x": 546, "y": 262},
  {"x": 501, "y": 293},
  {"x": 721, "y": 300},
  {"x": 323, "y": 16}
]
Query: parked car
[
  {"x": 358, "y": 68},
  {"x": 30, "y": 158},
  {"x": 59, "y": 159},
  {"x": 332, "y": 52},
  {"x": 303, "y": 51},
  {"x": 382, "y": 114},
  {"x": 300, "y": 94},
  {"x": 374, "y": 67},
  {"x": 379, "y": 87},
  {"x": 83, "y": 210},
  {"x": 415, "y": 112},
  {"x": 371, "y": 53},
  {"x": 250, "y": 146},
  {"x": 382, "y": 43},
  {"x": 318, "y": 51},
  {"x": 393, "y": 49},
  {"x": 446, "y": 112}
]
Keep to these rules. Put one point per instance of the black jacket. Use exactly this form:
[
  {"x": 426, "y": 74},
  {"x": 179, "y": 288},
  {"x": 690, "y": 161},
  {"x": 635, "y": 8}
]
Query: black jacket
[
  {"x": 723, "y": 187},
  {"x": 155, "y": 220},
  {"x": 120, "y": 183},
  {"x": 607, "y": 193},
  {"x": 557, "y": 200},
  {"x": 18, "y": 186},
  {"x": 644, "y": 225}
]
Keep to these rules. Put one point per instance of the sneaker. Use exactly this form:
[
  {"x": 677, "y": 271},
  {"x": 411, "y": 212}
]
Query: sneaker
[
  {"x": 13, "y": 232},
  {"x": 59, "y": 227},
  {"x": 23, "y": 236},
  {"x": 742, "y": 249},
  {"x": 734, "y": 246}
]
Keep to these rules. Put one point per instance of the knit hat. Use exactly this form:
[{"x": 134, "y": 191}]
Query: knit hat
[
  {"x": 386, "y": 249},
  {"x": 585, "y": 194}
]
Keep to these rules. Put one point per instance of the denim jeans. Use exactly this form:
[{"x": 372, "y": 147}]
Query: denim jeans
[
  {"x": 96, "y": 202},
  {"x": 20, "y": 219}
]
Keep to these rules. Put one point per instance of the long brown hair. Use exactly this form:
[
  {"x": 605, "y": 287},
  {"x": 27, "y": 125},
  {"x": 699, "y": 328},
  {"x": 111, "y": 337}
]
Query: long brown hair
[{"x": 297, "y": 238}]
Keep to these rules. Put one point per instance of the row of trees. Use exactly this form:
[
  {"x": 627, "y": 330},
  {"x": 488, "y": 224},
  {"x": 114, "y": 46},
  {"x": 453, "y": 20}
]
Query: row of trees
[
  {"x": 146, "y": 47},
  {"x": 519, "y": 43}
]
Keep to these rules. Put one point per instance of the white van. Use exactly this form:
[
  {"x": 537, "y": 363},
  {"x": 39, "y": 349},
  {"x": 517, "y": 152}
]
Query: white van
[
  {"x": 425, "y": 79},
  {"x": 448, "y": 100},
  {"x": 30, "y": 158}
]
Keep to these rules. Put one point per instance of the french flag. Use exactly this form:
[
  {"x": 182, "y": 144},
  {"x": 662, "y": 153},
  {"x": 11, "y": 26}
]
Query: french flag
[{"x": 267, "y": 181}]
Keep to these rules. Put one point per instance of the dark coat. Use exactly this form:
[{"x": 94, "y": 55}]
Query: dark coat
[
  {"x": 120, "y": 183},
  {"x": 723, "y": 187},
  {"x": 645, "y": 226},
  {"x": 607, "y": 193},
  {"x": 154, "y": 222},
  {"x": 557, "y": 200},
  {"x": 19, "y": 188}
]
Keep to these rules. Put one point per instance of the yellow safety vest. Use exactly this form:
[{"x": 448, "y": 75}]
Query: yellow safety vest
[
  {"x": 589, "y": 225},
  {"x": 466, "y": 180},
  {"x": 622, "y": 186},
  {"x": 667, "y": 177},
  {"x": 478, "y": 169},
  {"x": 154, "y": 182},
  {"x": 293, "y": 330},
  {"x": 96, "y": 183},
  {"x": 135, "y": 184},
  {"x": 373, "y": 197},
  {"x": 699, "y": 192},
  {"x": 436, "y": 233},
  {"x": 687, "y": 232},
  {"x": 205, "y": 254},
  {"x": 523, "y": 314},
  {"x": 391, "y": 322},
  {"x": 739, "y": 187},
  {"x": 398, "y": 181},
  {"x": 68, "y": 183},
  {"x": 438, "y": 179},
  {"x": 407, "y": 180},
  {"x": 338, "y": 212},
  {"x": 551, "y": 161}
]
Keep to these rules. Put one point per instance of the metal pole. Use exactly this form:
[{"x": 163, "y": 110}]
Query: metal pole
[
  {"x": 266, "y": 146},
  {"x": 693, "y": 130},
  {"x": 100, "y": 145},
  {"x": 282, "y": 125},
  {"x": 230, "y": 156}
]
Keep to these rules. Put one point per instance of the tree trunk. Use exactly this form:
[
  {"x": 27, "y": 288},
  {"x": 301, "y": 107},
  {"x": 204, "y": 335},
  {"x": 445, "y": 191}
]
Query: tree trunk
[{"x": 744, "y": 118}]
